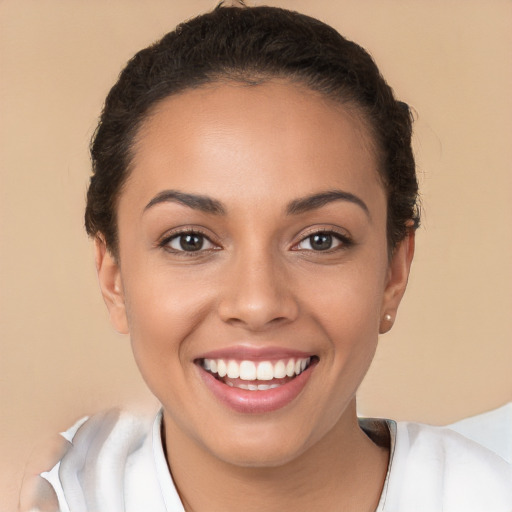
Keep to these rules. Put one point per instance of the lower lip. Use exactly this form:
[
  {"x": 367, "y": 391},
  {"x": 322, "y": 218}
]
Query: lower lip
[{"x": 256, "y": 402}]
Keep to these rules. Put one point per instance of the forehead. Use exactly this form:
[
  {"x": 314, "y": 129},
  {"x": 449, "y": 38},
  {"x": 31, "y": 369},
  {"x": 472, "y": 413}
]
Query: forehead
[{"x": 282, "y": 138}]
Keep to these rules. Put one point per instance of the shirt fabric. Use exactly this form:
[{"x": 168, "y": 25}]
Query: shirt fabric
[{"x": 116, "y": 463}]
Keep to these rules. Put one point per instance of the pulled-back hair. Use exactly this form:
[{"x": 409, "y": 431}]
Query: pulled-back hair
[{"x": 251, "y": 45}]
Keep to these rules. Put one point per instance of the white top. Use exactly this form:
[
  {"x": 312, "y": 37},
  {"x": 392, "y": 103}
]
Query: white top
[
  {"x": 115, "y": 463},
  {"x": 491, "y": 429}
]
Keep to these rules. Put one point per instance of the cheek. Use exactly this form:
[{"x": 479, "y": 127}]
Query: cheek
[
  {"x": 348, "y": 298},
  {"x": 347, "y": 309},
  {"x": 163, "y": 311}
]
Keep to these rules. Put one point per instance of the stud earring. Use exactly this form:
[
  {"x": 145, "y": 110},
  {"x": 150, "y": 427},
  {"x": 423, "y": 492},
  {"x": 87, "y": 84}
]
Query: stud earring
[{"x": 386, "y": 324}]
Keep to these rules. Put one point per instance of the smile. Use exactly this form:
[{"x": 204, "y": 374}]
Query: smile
[
  {"x": 256, "y": 385},
  {"x": 256, "y": 376}
]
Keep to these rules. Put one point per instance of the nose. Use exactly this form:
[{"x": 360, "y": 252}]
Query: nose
[{"x": 257, "y": 293}]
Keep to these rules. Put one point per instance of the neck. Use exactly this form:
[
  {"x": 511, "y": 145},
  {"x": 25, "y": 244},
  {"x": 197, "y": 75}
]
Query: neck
[{"x": 344, "y": 471}]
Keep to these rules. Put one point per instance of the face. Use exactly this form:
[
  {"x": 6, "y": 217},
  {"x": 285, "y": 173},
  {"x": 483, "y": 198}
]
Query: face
[{"x": 253, "y": 271}]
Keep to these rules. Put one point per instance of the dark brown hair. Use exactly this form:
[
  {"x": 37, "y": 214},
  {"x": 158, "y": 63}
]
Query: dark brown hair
[{"x": 251, "y": 45}]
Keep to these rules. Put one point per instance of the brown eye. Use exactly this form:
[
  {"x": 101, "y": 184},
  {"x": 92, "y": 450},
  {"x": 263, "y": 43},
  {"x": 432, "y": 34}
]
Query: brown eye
[
  {"x": 189, "y": 242},
  {"x": 320, "y": 241},
  {"x": 323, "y": 241}
]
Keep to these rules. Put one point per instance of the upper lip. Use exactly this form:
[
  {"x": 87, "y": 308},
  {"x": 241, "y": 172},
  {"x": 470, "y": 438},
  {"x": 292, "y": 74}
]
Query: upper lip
[{"x": 251, "y": 353}]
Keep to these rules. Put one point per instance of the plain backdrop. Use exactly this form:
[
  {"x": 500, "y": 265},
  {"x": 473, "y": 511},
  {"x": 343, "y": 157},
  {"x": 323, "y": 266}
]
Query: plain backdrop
[{"x": 450, "y": 352}]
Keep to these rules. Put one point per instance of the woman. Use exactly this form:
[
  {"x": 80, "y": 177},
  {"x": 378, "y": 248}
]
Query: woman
[{"x": 253, "y": 208}]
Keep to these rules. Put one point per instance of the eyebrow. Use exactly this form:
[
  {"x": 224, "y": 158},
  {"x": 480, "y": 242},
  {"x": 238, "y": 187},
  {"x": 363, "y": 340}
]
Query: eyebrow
[
  {"x": 315, "y": 201},
  {"x": 197, "y": 202},
  {"x": 302, "y": 205}
]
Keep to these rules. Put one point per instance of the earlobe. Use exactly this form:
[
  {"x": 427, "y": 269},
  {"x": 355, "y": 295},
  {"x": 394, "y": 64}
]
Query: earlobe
[
  {"x": 396, "y": 282},
  {"x": 109, "y": 276}
]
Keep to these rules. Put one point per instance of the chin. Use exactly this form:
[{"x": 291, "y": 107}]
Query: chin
[
  {"x": 264, "y": 447},
  {"x": 258, "y": 457}
]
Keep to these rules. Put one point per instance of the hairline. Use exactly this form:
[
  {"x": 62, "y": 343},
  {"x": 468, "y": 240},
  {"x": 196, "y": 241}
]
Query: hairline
[{"x": 249, "y": 78}]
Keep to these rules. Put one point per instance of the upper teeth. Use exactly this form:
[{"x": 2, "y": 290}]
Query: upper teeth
[{"x": 263, "y": 370}]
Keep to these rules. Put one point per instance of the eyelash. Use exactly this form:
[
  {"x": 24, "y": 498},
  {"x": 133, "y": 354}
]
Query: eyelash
[
  {"x": 166, "y": 241},
  {"x": 344, "y": 242}
]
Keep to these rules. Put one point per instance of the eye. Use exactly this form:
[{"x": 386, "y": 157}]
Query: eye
[
  {"x": 188, "y": 242},
  {"x": 322, "y": 241}
]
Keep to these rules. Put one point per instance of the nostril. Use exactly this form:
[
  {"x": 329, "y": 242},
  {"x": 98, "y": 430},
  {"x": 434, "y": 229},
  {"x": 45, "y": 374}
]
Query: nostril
[
  {"x": 256, "y": 323},
  {"x": 257, "y": 312}
]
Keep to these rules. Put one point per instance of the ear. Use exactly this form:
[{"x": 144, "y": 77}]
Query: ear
[
  {"x": 396, "y": 281},
  {"x": 109, "y": 276}
]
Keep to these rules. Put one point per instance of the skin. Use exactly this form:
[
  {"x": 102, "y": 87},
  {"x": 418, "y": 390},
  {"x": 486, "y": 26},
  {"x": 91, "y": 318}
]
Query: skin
[{"x": 259, "y": 283}]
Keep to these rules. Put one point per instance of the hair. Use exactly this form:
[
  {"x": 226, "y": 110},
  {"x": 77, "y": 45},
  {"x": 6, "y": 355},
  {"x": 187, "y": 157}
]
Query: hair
[{"x": 251, "y": 45}]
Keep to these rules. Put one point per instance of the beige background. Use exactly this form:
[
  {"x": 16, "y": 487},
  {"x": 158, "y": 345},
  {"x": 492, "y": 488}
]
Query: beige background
[{"x": 450, "y": 353}]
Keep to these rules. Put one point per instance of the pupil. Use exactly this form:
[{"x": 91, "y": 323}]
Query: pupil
[
  {"x": 321, "y": 241},
  {"x": 191, "y": 242}
]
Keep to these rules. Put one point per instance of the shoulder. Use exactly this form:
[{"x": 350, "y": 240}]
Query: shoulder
[
  {"x": 492, "y": 429},
  {"x": 108, "y": 464},
  {"x": 435, "y": 468},
  {"x": 103, "y": 439}
]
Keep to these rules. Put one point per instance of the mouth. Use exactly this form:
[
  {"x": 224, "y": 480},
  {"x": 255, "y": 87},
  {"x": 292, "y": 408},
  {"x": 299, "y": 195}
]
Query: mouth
[
  {"x": 256, "y": 375},
  {"x": 256, "y": 386}
]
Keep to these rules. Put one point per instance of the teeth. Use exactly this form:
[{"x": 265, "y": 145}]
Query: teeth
[
  {"x": 265, "y": 371},
  {"x": 250, "y": 371},
  {"x": 280, "y": 370},
  {"x": 247, "y": 370},
  {"x": 253, "y": 387},
  {"x": 222, "y": 368},
  {"x": 233, "y": 370}
]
